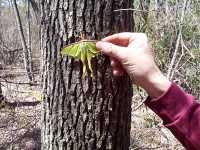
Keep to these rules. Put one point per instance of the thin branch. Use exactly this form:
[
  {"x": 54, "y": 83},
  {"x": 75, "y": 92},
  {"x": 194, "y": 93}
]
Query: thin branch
[
  {"x": 137, "y": 107},
  {"x": 20, "y": 83},
  {"x": 131, "y": 9},
  {"x": 174, "y": 56},
  {"x": 192, "y": 56},
  {"x": 182, "y": 53},
  {"x": 177, "y": 42},
  {"x": 183, "y": 64}
]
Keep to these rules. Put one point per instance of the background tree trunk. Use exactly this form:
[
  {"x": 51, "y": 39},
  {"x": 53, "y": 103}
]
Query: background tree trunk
[
  {"x": 1, "y": 93},
  {"x": 29, "y": 49},
  {"x": 83, "y": 114},
  {"x": 27, "y": 59}
]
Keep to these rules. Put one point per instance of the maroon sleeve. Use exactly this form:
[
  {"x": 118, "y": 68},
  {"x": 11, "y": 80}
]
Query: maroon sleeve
[{"x": 180, "y": 113}]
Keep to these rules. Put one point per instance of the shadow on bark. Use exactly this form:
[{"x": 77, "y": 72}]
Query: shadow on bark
[
  {"x": 6, "y": 104},
  {"x": 22, "y": 104}
]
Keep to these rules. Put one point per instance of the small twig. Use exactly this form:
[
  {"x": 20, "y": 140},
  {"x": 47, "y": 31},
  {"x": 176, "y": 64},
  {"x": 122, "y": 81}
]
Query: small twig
[
  {"x": 183, "y": 64},
  {"x": 141, "y": 97},
  {"x": 19, "y": 83},
  {"x": 187, "y": 49},
  {"x": 131, "y": 9},
  {"x": 182, "y": 53},
  {"x": 137, "y": 107},
  {"x": 174, "y": 55},
  {"x": 17, "y": 91},
  {"x": 147, "y": 148},
  {"x": 8, "y": 49}
]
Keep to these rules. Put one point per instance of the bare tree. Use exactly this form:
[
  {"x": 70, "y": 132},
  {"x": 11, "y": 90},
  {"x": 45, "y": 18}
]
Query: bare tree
[
  {"x": 26, "y": 50},
  {"x": 35, "y": 9},
  {"x": 83, "y": 114},
  {"x": 29, "y": 50},
  {"x": 1, "y": 94},
  {"x": 170, "y": 71}
]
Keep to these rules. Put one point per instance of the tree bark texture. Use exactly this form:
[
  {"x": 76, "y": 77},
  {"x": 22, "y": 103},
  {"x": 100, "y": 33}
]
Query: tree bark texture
[{"x": 85, "y": 114}]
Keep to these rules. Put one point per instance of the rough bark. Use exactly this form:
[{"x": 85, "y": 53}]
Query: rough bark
[
  {"x": 83, "y": 114},
  {"x": 27, "y": 59}
]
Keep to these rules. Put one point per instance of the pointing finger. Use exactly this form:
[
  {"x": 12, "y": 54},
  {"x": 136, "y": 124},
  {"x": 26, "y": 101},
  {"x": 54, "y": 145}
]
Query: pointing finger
[{"x": 111, "y": 50}]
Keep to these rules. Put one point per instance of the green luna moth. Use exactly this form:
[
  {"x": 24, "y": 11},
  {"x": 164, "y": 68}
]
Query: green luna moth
[{"x": 84, "y": 50}]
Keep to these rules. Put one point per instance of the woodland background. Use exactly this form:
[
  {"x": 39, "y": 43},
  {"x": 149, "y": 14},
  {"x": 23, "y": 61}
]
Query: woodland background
[{"x": 173, "y": 27}]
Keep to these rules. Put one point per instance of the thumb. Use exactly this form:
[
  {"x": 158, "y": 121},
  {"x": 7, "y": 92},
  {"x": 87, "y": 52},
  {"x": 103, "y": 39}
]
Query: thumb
[{"x": 111, "y": 49}]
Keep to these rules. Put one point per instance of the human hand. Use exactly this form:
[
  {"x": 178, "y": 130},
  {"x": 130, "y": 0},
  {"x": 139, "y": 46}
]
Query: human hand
[{"x": 131, "y": 52}]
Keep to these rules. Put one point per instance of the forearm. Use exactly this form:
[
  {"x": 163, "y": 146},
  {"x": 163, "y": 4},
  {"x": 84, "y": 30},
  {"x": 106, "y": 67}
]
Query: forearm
[
  {"x": 155, "y": 83},
  {"x": 180, "y": 113}
]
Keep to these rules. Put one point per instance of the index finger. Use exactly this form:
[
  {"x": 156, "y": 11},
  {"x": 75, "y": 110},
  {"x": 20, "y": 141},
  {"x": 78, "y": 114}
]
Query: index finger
[{"x": 121, "y": 39}]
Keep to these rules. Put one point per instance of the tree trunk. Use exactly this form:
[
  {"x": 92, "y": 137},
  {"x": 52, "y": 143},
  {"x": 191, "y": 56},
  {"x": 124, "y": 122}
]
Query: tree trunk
[
  {"x": 35, "y": 9},
  {"x": 81, "y": 113},
  {"x": 29, "y": 49},
  {"x": 1, "y": 93},
  {"x": 27, "y": 59}
]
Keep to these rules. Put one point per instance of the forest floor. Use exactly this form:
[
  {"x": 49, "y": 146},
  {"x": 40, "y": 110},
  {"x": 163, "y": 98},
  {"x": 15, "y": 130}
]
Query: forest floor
[{"x": 20, "y": 125}]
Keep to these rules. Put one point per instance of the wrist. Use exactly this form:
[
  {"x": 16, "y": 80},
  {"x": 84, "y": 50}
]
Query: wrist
[{"x": 156, "y": 84}]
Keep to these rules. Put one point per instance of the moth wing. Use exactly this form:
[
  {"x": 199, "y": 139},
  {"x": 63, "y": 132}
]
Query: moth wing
[
  {"x": 91, "y": 53},
  {"x": 89, "y": 62},
  {"x": 72, "y": 50},
  {"x": 83, "y": 57},
  {"x": 92, "y": 48}
]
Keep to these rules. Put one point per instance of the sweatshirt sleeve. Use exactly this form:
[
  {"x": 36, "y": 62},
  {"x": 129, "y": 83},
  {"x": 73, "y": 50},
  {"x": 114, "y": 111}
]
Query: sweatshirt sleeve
[{"x": 180, "y": 113}]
